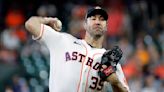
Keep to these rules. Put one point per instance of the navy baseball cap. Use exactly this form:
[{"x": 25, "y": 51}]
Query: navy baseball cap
[{"x": 97, "y": 10}]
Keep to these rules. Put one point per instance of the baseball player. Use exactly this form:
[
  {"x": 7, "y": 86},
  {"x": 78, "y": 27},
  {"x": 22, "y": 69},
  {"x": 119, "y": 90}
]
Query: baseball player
[{"x": 79, "y": 65}]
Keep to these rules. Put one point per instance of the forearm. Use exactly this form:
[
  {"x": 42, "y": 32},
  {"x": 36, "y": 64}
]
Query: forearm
[
  {"x": 117, "y": 86},
  {"x": 34, "y": 23}
]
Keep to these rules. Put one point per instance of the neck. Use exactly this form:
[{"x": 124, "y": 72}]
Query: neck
[{"x": 95, "y": 41}]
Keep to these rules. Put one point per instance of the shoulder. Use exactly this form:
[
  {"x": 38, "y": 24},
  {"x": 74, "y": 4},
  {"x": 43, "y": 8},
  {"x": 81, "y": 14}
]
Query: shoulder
[
  {"x": 68, "y": 36},
  {"x": 52, "y": 32}
]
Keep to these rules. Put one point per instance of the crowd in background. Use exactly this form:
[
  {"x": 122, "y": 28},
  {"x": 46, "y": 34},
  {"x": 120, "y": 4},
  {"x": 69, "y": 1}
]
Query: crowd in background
[{"x": 137, "y": 26}]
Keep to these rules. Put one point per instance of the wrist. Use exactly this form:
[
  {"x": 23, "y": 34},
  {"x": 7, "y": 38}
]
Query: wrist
[
  {"x": 113, "y": 79},
  {"x": 45, "y": 20},
  {"x": 106, "y": 72}
]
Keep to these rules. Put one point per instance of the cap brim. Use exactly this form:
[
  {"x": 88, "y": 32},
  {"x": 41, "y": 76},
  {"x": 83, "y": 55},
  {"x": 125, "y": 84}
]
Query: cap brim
[{"x": 98, "y": 11}]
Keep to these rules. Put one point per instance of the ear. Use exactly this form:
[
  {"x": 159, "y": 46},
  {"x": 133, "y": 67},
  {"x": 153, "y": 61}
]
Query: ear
[
  {"x": 106, "y": 26},
  {"x": 84, "y": 24}
]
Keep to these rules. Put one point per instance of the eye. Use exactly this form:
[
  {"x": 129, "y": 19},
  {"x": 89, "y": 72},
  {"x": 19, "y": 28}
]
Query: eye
[
  {"x": 93, "y": 18},
  {"x": 102, "y": 19}
]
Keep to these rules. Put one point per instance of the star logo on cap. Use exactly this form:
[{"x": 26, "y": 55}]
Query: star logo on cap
[{"x": 97, "y": 7}]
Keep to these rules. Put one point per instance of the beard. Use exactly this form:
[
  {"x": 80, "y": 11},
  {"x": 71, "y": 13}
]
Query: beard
[{"x": 96, "y": 31}]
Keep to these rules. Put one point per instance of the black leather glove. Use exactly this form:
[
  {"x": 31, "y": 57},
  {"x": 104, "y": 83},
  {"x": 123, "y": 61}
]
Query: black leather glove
[{"x": 110, "y": 60}]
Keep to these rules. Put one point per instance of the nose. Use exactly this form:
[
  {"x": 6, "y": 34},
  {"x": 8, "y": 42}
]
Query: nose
[{"x": 97, "y": 21}]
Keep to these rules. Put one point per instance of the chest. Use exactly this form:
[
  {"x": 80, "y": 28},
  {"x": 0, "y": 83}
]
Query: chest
[{"x": 87, "y": 58}]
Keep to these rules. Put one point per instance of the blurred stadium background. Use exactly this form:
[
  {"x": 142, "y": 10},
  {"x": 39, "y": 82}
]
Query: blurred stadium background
[{"x": 137, "y": 26}]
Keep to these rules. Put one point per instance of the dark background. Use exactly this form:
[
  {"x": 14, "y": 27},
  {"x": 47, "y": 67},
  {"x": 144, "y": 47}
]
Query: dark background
[{"x": 137, "y": 26}]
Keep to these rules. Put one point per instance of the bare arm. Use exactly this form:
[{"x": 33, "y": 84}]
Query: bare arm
[
  {"x": 117, "y": 86},
  {"x": 33, "y": 24}
]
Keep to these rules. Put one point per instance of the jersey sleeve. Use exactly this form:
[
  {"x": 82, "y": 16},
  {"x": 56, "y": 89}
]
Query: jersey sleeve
[
  {"x": 48, "y": 36},
  {"x": 121, "y": 76}
]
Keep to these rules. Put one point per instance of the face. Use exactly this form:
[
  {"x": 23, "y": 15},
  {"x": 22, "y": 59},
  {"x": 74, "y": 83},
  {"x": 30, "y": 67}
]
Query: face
[{"x": 96, "y": 25}]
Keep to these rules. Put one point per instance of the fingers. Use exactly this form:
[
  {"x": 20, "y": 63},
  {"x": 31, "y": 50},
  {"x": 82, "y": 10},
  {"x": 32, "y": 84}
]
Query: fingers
[
  {"x": 55, "y": 23},
  {"x": 50, "y": 19},
  {"x": 117, "y": 52}
]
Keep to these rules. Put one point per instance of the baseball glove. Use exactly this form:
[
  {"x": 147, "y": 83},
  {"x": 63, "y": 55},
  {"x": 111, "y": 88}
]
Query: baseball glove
[{"x": 109, "y": 60}]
